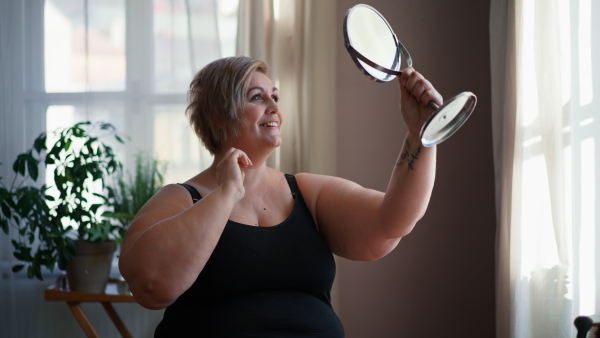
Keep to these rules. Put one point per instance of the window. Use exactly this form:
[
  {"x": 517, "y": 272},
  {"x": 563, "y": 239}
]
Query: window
[
  {"x": 128, "y": 63},
  {"x": 549, "y": 238}
]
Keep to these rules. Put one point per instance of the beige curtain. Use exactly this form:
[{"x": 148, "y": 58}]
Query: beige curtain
[
  {"x": 297, "y": 39},
  {"x": 546, "y": 161},
  {"x": 503, "y": 70}
]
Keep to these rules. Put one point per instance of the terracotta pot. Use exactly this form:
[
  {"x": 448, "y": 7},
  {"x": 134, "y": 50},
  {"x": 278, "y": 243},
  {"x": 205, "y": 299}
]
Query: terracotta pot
[{"x": 90, "y": 268}]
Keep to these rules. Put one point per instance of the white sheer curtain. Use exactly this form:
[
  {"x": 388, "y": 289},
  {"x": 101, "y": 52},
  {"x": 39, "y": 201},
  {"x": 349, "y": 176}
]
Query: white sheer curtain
[
  {"x": 297, "y": 39},
  {"x": 127, "y": 62},
  {"x": 546, "y": 99}
]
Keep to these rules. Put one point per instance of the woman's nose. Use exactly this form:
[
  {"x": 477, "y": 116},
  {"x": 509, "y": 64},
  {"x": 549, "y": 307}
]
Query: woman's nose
[{"x": 273, "y": 106}]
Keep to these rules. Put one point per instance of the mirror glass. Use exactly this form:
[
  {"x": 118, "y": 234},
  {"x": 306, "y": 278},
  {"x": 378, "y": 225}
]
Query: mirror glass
[
  {"x": 375, "y": 49},
  {"x": 363, "y": 23}
]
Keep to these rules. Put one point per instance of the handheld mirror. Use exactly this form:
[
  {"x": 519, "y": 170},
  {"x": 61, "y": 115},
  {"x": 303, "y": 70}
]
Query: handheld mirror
[{"x": 377, "y": 52}]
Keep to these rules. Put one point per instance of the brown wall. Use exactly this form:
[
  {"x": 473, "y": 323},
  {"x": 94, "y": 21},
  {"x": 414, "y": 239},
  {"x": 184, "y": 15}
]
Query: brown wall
[{"x": 440, "y": 279}]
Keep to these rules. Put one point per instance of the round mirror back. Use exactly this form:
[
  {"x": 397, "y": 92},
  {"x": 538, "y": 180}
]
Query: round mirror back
[
  {"x": 448, "y": 119},
  {"x": 367, "y": 31}
]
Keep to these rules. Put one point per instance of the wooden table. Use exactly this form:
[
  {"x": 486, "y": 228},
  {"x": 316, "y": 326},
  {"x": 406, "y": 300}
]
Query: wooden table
[{"x": 74, "y": 299}]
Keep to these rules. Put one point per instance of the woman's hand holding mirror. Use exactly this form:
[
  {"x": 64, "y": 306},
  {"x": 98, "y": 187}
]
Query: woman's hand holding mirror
[{"x": 417, "y": 95}]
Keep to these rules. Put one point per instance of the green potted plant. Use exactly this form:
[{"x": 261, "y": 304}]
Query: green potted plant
[
  {"x": 130, "y": 192},
  {"x": 51, "y": 228}
]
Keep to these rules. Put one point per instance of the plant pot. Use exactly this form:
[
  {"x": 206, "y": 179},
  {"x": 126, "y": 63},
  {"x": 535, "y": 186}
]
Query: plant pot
[{"x": 90, "y": 268}]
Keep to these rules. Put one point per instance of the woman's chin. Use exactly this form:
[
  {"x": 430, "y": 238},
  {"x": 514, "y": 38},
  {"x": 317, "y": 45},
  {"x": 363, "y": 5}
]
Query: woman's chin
[{"x": 275, "y": 143}]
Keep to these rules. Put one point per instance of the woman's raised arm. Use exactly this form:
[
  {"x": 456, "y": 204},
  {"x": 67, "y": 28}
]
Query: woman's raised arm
[
  {"x": 363, "y": 224},
  {"x": 171, "y": 239}
]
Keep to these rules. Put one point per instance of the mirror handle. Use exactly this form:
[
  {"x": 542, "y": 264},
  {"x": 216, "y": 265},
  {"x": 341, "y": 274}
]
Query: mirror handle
[{"x": 433, "y": 105}]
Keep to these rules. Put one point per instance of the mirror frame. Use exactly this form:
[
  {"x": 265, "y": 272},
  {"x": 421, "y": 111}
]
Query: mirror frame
[
  {"x": 451, "y": 128},
  {"x": 356, "y": 55}
]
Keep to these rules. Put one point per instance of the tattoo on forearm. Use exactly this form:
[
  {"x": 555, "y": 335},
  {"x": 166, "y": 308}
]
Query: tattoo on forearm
[{"x": 407, "y": 157}]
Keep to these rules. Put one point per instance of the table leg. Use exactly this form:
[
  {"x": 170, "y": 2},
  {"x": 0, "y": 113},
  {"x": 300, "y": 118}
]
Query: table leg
[
  {"x": 82, "y": 319},
  {"x": 116, "y": 319}
]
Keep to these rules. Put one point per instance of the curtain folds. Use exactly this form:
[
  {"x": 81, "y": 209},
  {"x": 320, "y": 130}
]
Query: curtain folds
[
  {"x": 503, "y": 70},
  {"x": 546, "y": 160},
  {"x": 297, "y": 39}
]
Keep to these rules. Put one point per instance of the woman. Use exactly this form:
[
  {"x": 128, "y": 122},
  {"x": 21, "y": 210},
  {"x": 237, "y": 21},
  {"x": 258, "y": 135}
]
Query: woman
[{"x": 242, "y": 250}]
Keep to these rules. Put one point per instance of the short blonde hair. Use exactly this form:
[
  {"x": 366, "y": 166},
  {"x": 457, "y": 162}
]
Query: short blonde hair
[{"x": 216, "y": 98}]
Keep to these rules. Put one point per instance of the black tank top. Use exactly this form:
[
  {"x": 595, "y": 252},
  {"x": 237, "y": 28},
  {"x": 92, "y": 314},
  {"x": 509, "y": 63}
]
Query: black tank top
[{"x": 261, "y": 282}]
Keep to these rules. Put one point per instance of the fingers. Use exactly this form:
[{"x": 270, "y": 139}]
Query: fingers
[
  {"x": 238, "y": 156},
  {"x": 229, "y": 171},
  {"x": 418, "y": 87},
  {"x": 229, "y": 168}
]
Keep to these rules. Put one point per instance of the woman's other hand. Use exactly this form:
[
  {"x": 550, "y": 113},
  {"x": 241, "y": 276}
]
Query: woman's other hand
[
  {"x": 229, "y": 171},
  {"x": 415, "y": 94}
]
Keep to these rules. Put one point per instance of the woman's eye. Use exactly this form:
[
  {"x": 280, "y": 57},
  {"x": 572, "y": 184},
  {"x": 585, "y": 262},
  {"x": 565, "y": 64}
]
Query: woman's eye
[{"x": 259, "y": 97}]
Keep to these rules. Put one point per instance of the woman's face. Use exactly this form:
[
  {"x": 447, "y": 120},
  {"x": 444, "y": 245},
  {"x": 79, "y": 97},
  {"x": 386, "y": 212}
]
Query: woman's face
[{"x": 262, "y": 117}]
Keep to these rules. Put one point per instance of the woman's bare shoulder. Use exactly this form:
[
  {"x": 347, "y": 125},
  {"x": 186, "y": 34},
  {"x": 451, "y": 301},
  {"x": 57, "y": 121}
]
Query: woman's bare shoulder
[
  {"x": 313, "y": 187},
  {"x": 170, "y": 199},
  {"x": 314, "y": 183},
  {"x": 205, "y": 182}
]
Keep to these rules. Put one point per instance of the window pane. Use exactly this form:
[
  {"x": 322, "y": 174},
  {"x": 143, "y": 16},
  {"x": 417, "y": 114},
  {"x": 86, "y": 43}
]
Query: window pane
[
  {"x": 67, "y": 115},
  {"x": 176, "y": 144},
  {"x": 227, "y": 17},
  {"x": 185, "y": 39},
  {"x": 84, "y": 45}
]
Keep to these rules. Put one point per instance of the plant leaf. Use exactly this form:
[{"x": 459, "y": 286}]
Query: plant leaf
[
  {"x": 30, "y": 272},
  {"x": 4, "y": 225},
  {"x": 32, "y": 166},
  {"x": 19, "y": 165},
  {"x": 6, "y": 210},
  {"x": 18, "y": 268}
]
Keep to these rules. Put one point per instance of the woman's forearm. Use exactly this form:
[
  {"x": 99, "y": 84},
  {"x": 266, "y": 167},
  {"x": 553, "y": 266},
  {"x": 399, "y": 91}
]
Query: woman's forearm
[{"x": 409, "y": 189}]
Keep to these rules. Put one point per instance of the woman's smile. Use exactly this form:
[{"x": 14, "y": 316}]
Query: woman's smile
[{"x": 270, "y": 124}]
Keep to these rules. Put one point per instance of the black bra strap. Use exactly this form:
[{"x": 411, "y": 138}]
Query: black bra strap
[
  {"x": 292, "y": 183},
  {"x": 195, "y": 194}
]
